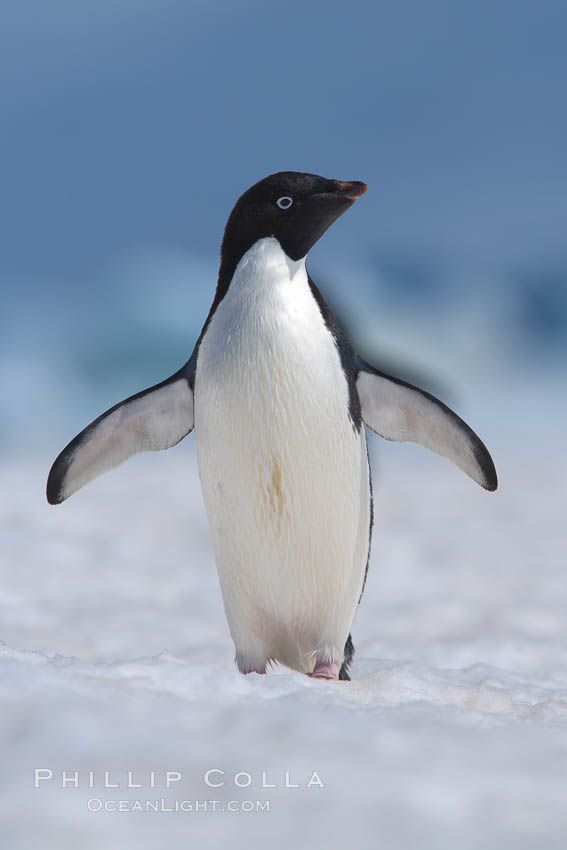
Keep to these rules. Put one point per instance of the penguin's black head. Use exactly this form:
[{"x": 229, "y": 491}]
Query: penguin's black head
[{"x": 293, "y": 207}]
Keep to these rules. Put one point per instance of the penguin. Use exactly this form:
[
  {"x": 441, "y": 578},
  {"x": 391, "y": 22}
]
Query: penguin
[{"x": 279, "y": 402}]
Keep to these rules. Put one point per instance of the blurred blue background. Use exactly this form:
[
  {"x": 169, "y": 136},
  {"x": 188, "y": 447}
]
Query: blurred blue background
[{"x": 129, "y": 130}]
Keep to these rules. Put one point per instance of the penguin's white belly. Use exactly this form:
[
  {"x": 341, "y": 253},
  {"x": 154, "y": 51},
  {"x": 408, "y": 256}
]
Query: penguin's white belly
[{"x": 284, "y": 473}]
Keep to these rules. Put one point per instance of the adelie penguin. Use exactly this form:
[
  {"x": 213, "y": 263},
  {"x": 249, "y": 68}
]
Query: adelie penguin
[{"x": 279, "y": 401}]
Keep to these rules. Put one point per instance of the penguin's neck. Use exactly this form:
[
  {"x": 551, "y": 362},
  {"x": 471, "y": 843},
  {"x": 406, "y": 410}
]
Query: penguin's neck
[
  {"x": 268, "y": 309},
  {"x": 263, "y": 267},
  {"x": 262, "y": 260}
]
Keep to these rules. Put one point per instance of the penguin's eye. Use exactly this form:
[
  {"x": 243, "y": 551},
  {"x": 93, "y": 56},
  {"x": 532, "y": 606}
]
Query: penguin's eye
[{"x": 285, "y": 202}]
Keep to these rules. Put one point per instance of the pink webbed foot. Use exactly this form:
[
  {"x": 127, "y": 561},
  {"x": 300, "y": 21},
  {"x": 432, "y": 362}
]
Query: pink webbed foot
[
  {"x": 253, "y": 669},
  {"x": 325, "y": 670}
]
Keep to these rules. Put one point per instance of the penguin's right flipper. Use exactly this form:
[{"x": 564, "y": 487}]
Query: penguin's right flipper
[{"x": 154, "y": 419}]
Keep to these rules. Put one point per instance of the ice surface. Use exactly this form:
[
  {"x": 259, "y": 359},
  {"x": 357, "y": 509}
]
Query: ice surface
[{"x": 117, "y": 657}]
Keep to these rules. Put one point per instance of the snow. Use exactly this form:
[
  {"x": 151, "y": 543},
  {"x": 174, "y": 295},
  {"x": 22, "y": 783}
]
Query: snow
[{"x": 117, "y": 657}]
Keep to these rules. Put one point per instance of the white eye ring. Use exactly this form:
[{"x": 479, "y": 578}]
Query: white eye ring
[{"x": 285, "y": 202}]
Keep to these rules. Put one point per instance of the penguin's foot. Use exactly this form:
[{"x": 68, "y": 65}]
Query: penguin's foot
[
  {"x": 325, "y": 670},
  {"x": 252, "y": 668}
]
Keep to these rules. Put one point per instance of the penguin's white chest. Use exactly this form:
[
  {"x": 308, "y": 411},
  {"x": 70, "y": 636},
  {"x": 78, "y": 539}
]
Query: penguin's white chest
[{"x": 284, "y": 473}]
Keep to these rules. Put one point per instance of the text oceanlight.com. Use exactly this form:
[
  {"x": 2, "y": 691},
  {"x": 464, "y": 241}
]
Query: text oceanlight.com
[
  {"x": 95, "y": 804},
  {"x": 217, "y": 781}
]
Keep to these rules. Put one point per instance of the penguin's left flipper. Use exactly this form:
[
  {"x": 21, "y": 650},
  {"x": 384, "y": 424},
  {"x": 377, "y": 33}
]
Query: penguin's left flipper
[
  {"x": 154, "y": 419},
  {"x": 401, "y": 412}
]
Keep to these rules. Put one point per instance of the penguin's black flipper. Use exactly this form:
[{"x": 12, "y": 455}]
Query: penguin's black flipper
[
  {"x": 156, "y": 418},
  {"x": 401, "y": 412}
]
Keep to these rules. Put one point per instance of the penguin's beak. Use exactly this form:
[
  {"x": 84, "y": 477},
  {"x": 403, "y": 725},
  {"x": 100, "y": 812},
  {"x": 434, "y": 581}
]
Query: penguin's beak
[
  {"x": 351, "y": 189},
  {"x": 319, "y": 210}
]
